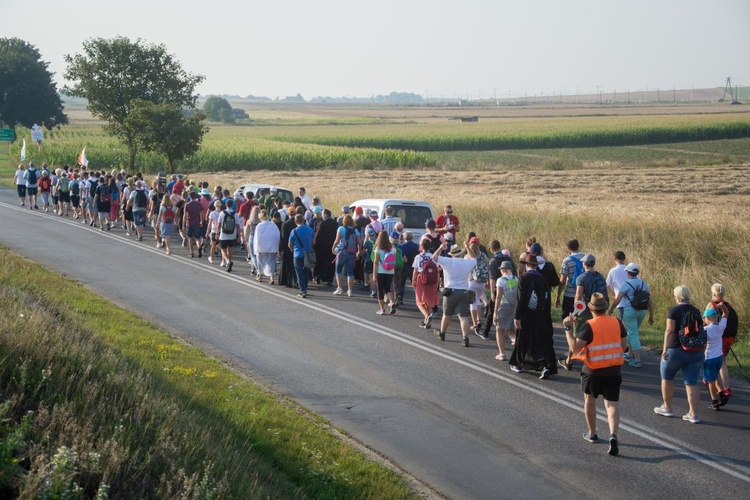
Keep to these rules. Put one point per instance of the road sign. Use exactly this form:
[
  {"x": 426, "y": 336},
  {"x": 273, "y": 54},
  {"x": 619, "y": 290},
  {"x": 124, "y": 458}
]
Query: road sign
[{"x": 6, "y": 134}]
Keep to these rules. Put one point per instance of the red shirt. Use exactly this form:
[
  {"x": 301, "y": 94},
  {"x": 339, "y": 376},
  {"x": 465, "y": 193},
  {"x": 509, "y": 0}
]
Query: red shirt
[
  {"x": 245, "y": 209},
  {"x": 178, "y": 188},
  {"x": 443, "y": 220}
]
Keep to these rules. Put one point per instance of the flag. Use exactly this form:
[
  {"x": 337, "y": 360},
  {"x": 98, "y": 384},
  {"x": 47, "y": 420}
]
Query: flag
[
  {"x": 82, "y": 158},
  {"x": 23, "y": 151}
]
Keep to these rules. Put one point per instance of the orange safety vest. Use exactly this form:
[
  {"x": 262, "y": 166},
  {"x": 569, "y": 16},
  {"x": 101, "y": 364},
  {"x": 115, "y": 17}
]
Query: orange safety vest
[{"x": 605, "y": 350}]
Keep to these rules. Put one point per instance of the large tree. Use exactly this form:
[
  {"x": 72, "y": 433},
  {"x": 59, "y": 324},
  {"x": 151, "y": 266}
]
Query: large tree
[
  {"x": 113, "y": 73},
  {"x": 28, "y": 94},
  {"x": 214, "y": 106},
  {"x": 164, "y": 129}
]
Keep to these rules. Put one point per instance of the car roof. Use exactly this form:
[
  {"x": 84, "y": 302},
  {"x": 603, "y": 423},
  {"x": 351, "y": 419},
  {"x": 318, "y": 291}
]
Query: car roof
[{"x": 389, "y": 201}]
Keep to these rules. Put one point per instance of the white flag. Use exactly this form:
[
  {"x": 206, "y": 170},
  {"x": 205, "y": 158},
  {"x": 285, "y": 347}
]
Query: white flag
[
  {"x": 82, "y": 158},
  {"x": 23, "y": 151}
]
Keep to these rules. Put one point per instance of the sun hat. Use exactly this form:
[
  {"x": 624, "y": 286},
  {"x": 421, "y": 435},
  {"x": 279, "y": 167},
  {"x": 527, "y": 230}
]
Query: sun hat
[
  {"x": 597, "y": 302},
  {"x": 456, "y": 252},
  {"x": 506, "y": 264}
]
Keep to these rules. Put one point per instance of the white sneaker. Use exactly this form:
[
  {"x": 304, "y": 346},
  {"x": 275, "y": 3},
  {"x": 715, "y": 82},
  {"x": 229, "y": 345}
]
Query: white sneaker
[
  {"x": 338, "y": 291},
  {"x": 223, "y": 264},
  {"x": 349, "y": 293},
  {"x": 664, "y": 412},
  {"x": 210, "y": 260}
]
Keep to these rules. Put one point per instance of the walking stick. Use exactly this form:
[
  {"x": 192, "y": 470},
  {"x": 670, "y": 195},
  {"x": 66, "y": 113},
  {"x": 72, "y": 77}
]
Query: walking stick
[{"x": 738, "y": 364}]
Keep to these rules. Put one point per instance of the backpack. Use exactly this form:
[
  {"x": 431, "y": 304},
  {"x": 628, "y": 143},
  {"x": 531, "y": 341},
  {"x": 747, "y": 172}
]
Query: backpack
[
  {"x": 228, "y": 225},
  {"x": 64, "y": 185},
  {"x": 399, "y": 258},
  {"x": 141, "y": 199},
  {"x": 389, "y": 261},
  {"x": 510, "y": 294},
  {"x": 596, "y": 283},
  {"x": 691, "y": 334},
  {"x": 579, "y": 270},
  {"x": 45, "y": 183},
  {"x": 75, "y": 188},
  {"x": 732, "y": 319},
  {"x": 640, "y": 298},
  {"x": 429, "y": 274},
  {"x": 480, "y": 274},
  {"x": 350, "y": 240},
  {"x": 434, "y": 243},
  {"x": 104, "y": 193},
  {"x": 31, "y": 176},
  {"x": 168, "y": 215}
]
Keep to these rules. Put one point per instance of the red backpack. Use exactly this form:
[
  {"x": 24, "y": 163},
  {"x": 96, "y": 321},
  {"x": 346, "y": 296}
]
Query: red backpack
[
  {"x": 429, "y": 274},
  {"x": 168, "y": 215}
]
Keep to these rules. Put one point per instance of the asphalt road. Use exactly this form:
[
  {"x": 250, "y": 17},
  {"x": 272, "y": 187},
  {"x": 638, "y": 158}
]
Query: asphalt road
[{"x": 451, "y": 416}]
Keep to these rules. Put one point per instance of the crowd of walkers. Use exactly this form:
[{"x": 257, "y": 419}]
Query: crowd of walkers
[{"x": 298, "y": 243}]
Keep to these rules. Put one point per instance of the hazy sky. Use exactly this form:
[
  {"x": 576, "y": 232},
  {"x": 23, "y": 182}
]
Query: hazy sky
[{"x": 444, "y": 48}]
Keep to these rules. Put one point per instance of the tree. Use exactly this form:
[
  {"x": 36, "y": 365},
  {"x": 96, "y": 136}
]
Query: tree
[
  {"x": 28, "y": 94},
  {"x": 213, "y": 107},
  {"x": 113, "y": 73},
  {"x": 164, "y": 129}
]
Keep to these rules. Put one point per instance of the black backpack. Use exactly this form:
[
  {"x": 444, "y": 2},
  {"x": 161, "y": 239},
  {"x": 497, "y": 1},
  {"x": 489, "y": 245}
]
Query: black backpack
[
  {"x": 691, "y": 333},
  {"x": 228, "y": 225},
  {"x": 640, "y": 298},
  {"x": 141, "y": 200},
  {"x": 31, "y": 175}
]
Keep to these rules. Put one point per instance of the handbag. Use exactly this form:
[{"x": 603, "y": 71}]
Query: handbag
[{"x": 310, "y": 260}]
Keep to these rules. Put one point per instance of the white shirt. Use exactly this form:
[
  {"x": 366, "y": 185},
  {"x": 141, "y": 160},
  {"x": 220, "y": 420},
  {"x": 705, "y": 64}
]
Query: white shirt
[
  {"x": 715, "y": 331},
  {"x": 307, "y": 201},
  {"x": 19, "y": 176},
  {"x": 419, "y": 259},
  {"x": 616, "y": 278},
  {"x": 267, "y": 238},
  {"x": 456, "y": 272}
]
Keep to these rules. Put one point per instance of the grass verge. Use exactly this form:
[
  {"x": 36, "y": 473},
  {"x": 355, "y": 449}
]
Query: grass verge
[{"x": 97, "y": 402}]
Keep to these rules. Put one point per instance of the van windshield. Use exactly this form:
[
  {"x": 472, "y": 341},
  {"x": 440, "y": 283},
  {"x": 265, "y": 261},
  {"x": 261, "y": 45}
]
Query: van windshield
[
  {"x": 412, "y": 216},
  {"x": 284, "y": 194}
]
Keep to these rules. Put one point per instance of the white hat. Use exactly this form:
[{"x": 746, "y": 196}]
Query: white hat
[
  {"x": 632, "y": 268},
  {"x": 274, "y": 189}
]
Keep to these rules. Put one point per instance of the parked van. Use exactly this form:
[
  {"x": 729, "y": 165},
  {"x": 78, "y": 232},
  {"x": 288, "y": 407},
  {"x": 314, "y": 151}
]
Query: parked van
[
  {"x": 261, "y": 190},
  {"x": 412, "y": 213}
]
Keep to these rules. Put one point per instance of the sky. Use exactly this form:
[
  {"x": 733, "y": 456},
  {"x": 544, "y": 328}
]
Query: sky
[{"x": 472, "y": 49}]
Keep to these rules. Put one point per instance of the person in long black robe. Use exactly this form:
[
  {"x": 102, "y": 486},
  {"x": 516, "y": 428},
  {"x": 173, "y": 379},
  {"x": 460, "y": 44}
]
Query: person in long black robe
[
  {"x": 552, "y": 279},
  {"x": 532, "y": 348},
  {"x": 325, "y": 268},
  {"x": 287, "y": 274}
]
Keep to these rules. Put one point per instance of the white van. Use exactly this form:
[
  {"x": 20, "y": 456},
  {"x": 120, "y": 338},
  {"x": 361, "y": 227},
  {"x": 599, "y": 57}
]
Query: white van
[{"x": 412, "y": 213}]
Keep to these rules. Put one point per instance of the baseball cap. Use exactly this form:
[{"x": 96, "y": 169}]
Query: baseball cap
[
  {"x": 536, "y": 249},
  {"x": 205, "y": 192},
  {"x": 709, "y": 312},
  {"x": 632, "y": 268},
  {"x": 395, "y": 235},
  {"x": 345, "y": 209},
  {"x": 373, "y": 213},
  {"x": 448, "y": 236},
  {"x": 474, "y": 240},
  {"x": 358, "y": 210},
  {"x": 274, "y": 189},
  {"x": 430, "y": 223},
  {"x": 589, "y": 259},
  {"x": 318, "y": 209}
]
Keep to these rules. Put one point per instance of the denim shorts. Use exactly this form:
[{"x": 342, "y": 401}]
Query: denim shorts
[
  {"x": 711, "y": 368},
  {"x": 678, "y": 359},
  {"x": 345, "y": 262}
]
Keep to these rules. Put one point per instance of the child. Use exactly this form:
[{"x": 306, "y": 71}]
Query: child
[{"x": 714, "y": 356}]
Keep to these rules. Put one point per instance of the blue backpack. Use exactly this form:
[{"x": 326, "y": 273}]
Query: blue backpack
[{"x": 579, "y": 270}]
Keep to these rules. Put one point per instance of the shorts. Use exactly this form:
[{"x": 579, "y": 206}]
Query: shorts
[
  {"x": 194, "y": 232},
  {"x": 458, "y": 302},
  {"x": 64, "y": 197},
  {"x": 140, "y": 219},
  {"x": 711, "y": 368},
  {"x": 385, "y": 283},
  {"x": 21, "y": 190},
  {"x": 726, "y": 344},
  {"x": 608, "y": 387},
  {"x": 129, "y": 214},
  {"x": 678, "y": 359},
  {"x": 368, "y": 267},
  {"x": 214, "y": 238},
  {"x": 345, "y": 260},
  {"x": 75, "y": 200},
  {"x": 31, "y": 191},
  {"x": 226, "y": 244}
]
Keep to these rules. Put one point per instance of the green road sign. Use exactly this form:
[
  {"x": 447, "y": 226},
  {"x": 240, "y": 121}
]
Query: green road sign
[{"x": 6, "y": 134}]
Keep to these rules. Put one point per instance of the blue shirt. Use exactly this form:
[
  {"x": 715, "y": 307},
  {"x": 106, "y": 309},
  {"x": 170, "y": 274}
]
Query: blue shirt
[{"x": 301, "y": 238}]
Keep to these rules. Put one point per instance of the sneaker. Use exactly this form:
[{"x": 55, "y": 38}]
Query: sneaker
[
  {"x": 229, "y": 266},
  {"x": 392, "y": 308},
  {"x": 714, "y": 405},
  {"x": 372, "y": 293},
  {"x": 435, "y": 310},
  {"x": 36, "y": 207},
  {"x": 693, "y": 419},
  {"x": 140, "y": 237},
  {"x": 501, "y": 357},
  {"x": 338, "y": 291},
  {"x": 516, "y": 369},
  {"x": 303, "y": 295},
  {"x": 613, "y": 449},
  {"x": 664, "y": 412},
  {"x": 545, "y": 374},
  {"x": 192, "y": 255},
  {"x": 441, "y": 335},
  {"x": 591, "y": 438},
  {"x": 565, "y": 364},
  {"x": 380, "y": 311},
  {"x": 158, "y": 245},
  {"x": 635, "y": 364},
  {"x": 223, "y": 264},
  {"x": 478, "y": 333},
  {"x": 349, "y": 293},
  {"x": 210, "y": 260},
  {"x": 723, "y": 398},
  {"x": 466, "y": 341}
]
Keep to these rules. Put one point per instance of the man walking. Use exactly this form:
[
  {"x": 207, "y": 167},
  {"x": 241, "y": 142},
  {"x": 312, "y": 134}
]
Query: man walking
[
  {"x": 600, "y": 343},
  {"x": 192, "y": 222},
  {"x": 457, "y": 297}
]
